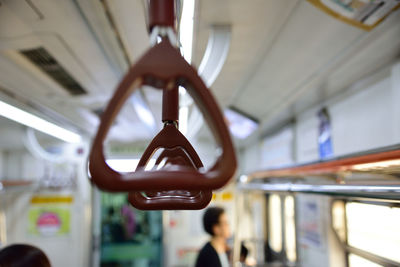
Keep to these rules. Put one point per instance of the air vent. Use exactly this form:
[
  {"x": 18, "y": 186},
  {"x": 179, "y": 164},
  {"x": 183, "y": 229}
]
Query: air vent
[{"x": 47, "y": 63}]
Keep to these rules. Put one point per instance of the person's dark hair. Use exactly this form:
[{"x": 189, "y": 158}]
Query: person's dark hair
[
  {"x": 110, "y": 211},
  {"x": 21, "y": 255},
  {"x": 211, "y": 218}
]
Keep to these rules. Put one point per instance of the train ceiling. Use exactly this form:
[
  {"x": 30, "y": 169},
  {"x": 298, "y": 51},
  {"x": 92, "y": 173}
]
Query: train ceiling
[{"x": 63, "y": 59}]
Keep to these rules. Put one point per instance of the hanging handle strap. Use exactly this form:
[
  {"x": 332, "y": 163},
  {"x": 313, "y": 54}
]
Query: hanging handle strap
[
  {"x": 161, "y": 13},
  {"x": 173, "y": 199},
  {"x": 163, "y": 67},
  {"x": 174, "y": 144}
]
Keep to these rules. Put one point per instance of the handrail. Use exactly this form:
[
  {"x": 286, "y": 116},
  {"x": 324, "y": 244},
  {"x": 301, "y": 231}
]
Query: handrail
[
  {"x": 358, "y": 163},
  {"x": 375, "y": 174}
]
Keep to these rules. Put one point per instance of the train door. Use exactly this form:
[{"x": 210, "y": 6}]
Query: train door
[{"x": 129, "y": 237}]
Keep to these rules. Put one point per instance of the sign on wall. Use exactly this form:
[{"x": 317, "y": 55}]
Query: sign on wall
[
  {"x": 324, "y": 135},
  {"x": 360, "y": 13},
  {"x": 50, "y": 215},
  {"x": 310, "y": 228}
]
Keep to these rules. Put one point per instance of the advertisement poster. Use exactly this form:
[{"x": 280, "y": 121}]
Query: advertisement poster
[
  {"x": 325, "y": 146},
  {"x": 364, "y": 14},
  {"x": 311, "y": 233},
  {"x": 50, "y": 216}
]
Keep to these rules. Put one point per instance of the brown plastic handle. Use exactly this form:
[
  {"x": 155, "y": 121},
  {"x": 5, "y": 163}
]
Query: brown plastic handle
[
  {"x": 161, "y": 13},
  {"x": 163, "y": 67},
  {"x": 173, "y": 199},
  {"x": 170, "y": 105},
  {"x": 178, "y": 158},
  {"x": 170, "y": 138}
]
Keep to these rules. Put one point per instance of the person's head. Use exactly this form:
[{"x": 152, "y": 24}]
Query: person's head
[
  {"x": 216, "y": 223},
  {"x": 243, "y": 252},
  {"x": 110, "y": 211},
  {"x": 21, "y": 255}
]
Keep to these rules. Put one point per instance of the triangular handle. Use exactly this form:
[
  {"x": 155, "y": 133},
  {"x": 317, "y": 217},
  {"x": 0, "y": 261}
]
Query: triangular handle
[
  {"x": 163, "y": 67},
  {"x": 170, "y": 201},
  {"x": 173, "y": 199},
  {"x": 174, "y": 144}
]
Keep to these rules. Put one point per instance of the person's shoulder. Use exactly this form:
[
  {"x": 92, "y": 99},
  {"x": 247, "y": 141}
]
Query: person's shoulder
[
  {"x": 207, "y": 248},
  {"x": 207, "y": 256}
]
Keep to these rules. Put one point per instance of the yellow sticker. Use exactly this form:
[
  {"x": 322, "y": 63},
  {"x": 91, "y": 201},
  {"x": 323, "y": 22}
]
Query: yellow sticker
[
  {"x": 226, "y": 196},
  {"x": 51, "y": 199}
]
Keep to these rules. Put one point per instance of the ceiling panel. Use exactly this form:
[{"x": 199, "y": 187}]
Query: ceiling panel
[
  {"x": 309, "y": 41},
  {"x": 64, "y": 30},
  {"x": 286, "y": 56},
  {"x": 129, "y": 18},
  {"x": 254, "y": 26}
]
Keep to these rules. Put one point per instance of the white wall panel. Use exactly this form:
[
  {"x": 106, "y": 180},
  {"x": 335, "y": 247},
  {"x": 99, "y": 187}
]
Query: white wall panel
[
  {"x": 250, "y": 159},
  {"x": 12, "y": 168},
  {"x": 73, "y": 249},
  {"x": 364, "y": 121},
  {"x": 1, "y": 165},
  {"x": 395, "y": 87},
  {"x": 277, "y": 150},
  {"x": 307, "y": 138}
]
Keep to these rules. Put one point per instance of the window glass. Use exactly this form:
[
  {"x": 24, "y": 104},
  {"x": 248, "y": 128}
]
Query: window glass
[
  {"x": 356, "y": 261},
  {"x": 2, "y": 228},
  {"x": 275, "y": 223},
  {"x": 339, "y": 219},
  {"x": 374, "y": 228},
  {"x": 290, "y": 229}
]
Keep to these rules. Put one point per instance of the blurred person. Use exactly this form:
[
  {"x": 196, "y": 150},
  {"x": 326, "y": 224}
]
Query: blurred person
[
  {"x": 129, "y": 221},
  {"x": 243, "y": 253},
  {"x": 22, "y": 255},
  {"x": 215, "y": 252},
  {"x": 112, "y": 229}
]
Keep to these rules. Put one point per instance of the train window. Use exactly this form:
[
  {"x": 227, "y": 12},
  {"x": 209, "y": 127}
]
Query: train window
[
  {"x": 290, "y": 229},
  {"x": 356, "y": 261},
  {"x": 2, "y": 228},
  {"x": 339, "y": 219},
  {"x": 374, "y": 229},
  {"x": 275, "y": 223}
]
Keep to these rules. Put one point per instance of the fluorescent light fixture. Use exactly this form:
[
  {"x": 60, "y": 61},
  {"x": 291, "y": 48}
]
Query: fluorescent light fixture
[
  {"x": 240, "y": 125},
  {"x": 30, "y": 120},
  {"x": 128, "y": 165},
  {"x": 186, "y": 29}
]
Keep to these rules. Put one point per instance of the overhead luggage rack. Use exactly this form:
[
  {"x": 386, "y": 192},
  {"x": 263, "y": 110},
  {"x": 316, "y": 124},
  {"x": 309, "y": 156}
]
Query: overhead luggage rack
[
  {"x": 16, "y": 185},
  {"x": 371, "y": 174}
]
